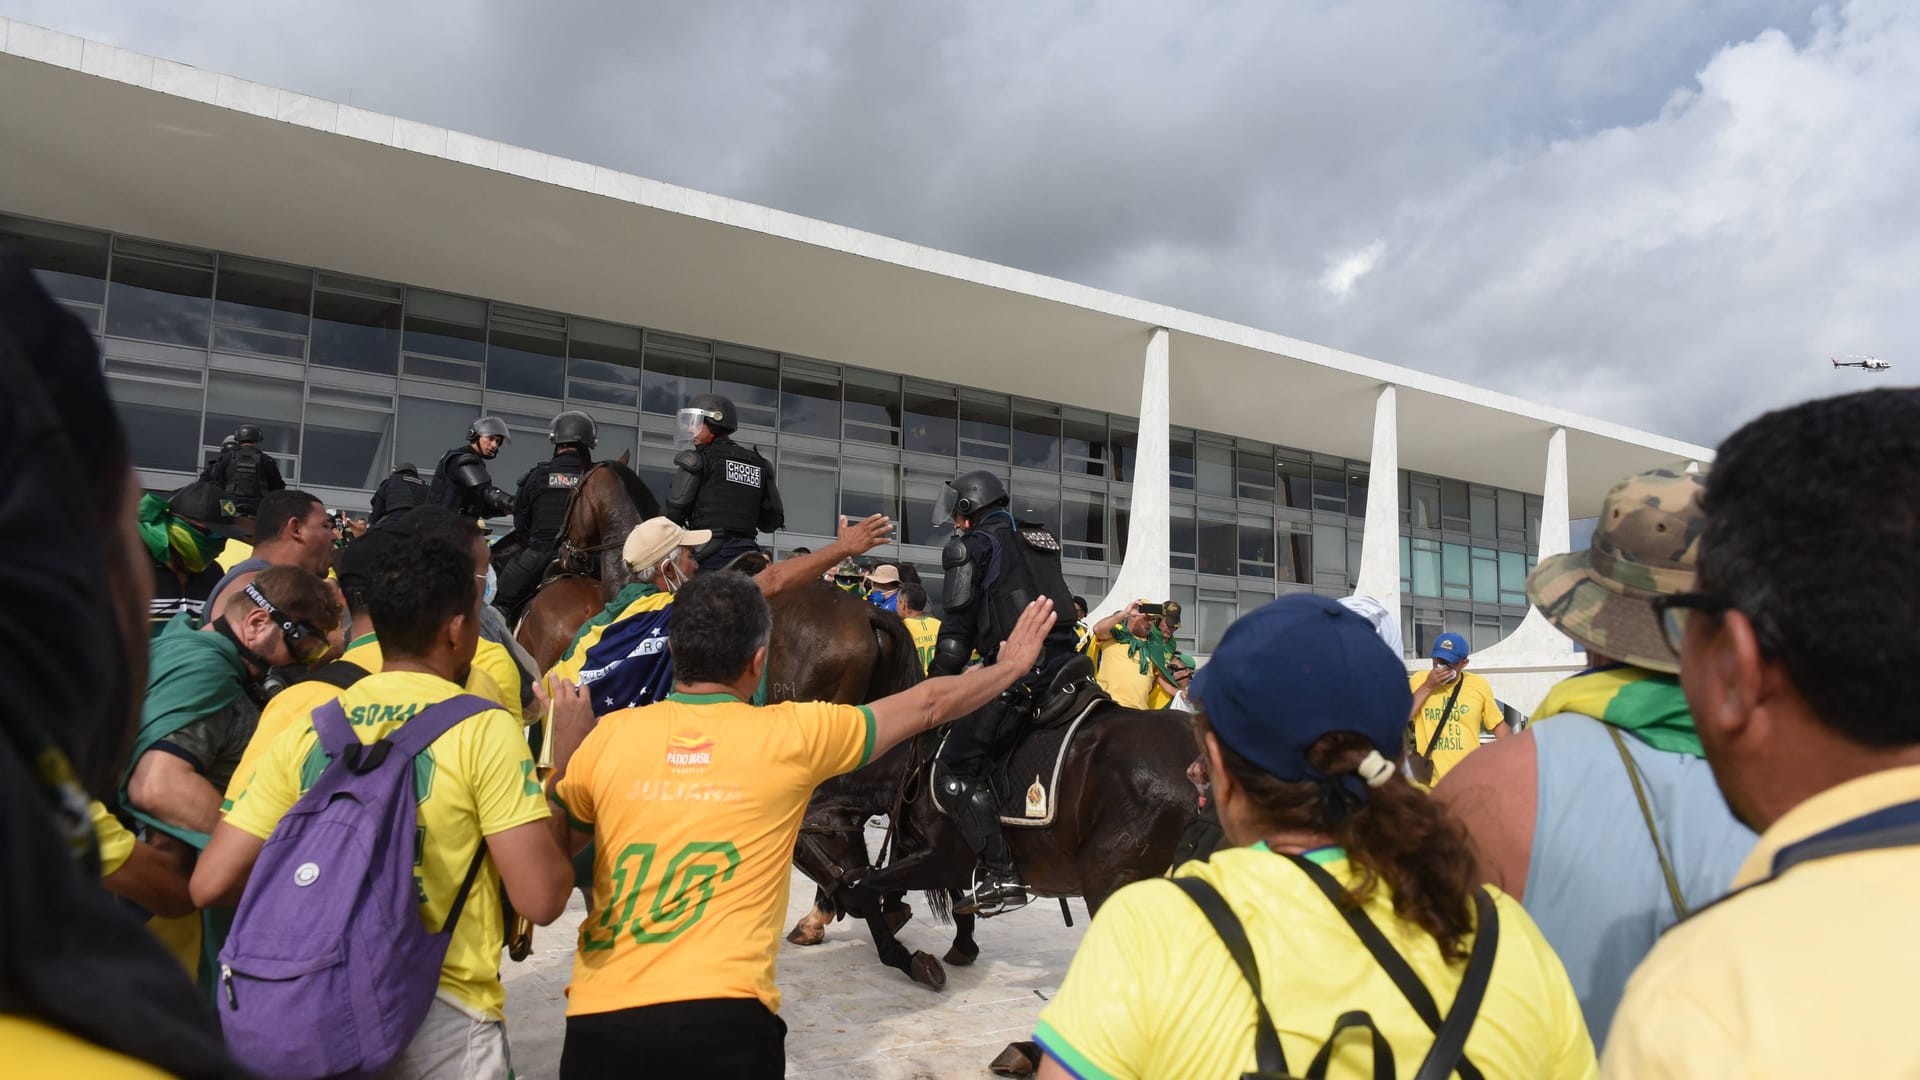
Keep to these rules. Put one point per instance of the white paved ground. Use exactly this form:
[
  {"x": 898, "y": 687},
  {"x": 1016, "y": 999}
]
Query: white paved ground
[{"x": 846, "y": 1014}]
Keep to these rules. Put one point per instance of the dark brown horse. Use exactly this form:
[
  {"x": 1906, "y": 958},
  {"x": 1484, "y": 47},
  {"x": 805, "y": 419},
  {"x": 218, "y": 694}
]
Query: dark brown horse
[
  {"x": 609, "y": 501},
  {"x": 1122, "y": 801}
]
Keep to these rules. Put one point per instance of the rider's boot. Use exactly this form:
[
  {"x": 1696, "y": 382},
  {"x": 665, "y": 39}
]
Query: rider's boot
[{"x": 997, "y": 886}]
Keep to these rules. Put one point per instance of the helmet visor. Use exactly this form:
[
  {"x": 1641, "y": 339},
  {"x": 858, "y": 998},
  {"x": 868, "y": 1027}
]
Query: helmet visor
[
  {"x": 943, "y": 506},
  {"x": 686, "y": 427}
]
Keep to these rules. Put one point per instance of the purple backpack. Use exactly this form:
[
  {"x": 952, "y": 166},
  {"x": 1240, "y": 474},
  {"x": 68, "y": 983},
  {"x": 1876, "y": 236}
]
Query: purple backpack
[{"x": 329, "y": 970}]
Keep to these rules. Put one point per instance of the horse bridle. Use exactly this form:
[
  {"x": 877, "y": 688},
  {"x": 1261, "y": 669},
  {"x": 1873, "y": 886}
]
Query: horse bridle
[{"x": 572, "y": 554}]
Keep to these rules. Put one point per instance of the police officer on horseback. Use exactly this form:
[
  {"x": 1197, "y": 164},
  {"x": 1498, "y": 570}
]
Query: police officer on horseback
[
  {"x": 720, "y": 485},
  {"x": 461, "y": 482},
  {"x": 401, "y": 490},
  {"x": 245, "y": 472},
  {"x": 995, "y": 567},
  {"x": 540, "y": 509}
]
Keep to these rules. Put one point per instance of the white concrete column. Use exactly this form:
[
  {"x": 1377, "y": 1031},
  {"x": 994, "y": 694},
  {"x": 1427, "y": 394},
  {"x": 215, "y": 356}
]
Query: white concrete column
[
  {"x": 1380, "y": 541},
  {"x": 1555, "y": 528},
  {"x": 1146, "y": 569}
]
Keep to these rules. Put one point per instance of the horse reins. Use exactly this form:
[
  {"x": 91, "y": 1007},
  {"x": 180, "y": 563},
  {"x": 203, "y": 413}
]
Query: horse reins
[{"x": 568, "y": 547}]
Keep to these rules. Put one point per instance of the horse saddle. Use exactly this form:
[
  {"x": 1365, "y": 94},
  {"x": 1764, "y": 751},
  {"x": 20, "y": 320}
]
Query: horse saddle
[
  {"x": 1068, "y": 693},
  {"x": 1025, "y": 783}
]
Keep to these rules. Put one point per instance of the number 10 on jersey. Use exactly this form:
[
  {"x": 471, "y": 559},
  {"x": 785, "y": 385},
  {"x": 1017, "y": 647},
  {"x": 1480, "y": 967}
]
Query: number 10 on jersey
[{"x": 680, "y": 894}]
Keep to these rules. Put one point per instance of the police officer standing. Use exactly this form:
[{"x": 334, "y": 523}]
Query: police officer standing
[
  {"x": 245, "y": 472},
  {"x": 721, "y": 485},
  {"x": 540, "y": 509},
  {"x": 401, "y": 490},
  {"x": 994, "y": 568},
  {"x": 462, "y": 484}
]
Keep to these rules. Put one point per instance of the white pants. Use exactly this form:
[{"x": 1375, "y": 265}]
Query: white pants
[{"x": 452, "y": 1044}]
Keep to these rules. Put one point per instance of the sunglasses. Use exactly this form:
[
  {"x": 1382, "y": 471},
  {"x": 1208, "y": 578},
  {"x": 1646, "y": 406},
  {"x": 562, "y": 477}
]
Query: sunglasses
[
  {"x": 305, "y": 643},
  {"x": 1672, "y": 610}
]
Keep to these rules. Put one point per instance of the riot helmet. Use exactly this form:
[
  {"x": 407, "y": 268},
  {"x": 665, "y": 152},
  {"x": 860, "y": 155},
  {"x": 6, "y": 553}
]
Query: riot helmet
[
  {"x": 969, "y": 494},
  {"x": 247, "y": 433},
  {"x": 713, "y": 410},
  {"x": 574, "y": 428},
  {"x": 489, "y": 425}
]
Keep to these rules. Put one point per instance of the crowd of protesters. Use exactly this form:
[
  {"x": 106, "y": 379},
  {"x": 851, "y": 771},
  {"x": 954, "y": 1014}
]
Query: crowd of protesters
[{"x": 1698, "y": 859}]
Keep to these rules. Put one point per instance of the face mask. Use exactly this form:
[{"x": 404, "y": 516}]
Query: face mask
[
  {"x": 195, "y": 548},
  {"x": 671, "y": 575},
  {"x": 493, "y": 586}
]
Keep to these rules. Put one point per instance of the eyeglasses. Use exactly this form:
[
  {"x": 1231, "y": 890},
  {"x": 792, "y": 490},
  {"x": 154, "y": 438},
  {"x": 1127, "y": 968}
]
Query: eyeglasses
[
  {"x": 1671, "y": 610},
  {"x": 305, "y": 643}
]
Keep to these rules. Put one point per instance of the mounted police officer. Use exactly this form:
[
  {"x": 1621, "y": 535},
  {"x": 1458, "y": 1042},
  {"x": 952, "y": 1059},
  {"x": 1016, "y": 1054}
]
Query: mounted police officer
[
  {"x": 244, "y": 471},
  {"x": 401, "y": 490},
  {"x": 721, "y": 485},
  {"x": 462, "y": 484},
  {"x": 540, "y": 509},
  {"x": 995, "y": 567}
]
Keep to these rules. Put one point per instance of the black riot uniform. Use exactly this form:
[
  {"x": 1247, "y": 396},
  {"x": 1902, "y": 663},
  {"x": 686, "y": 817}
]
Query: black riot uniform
[
  {"x": 994, "y": 569},
  {"x": 540, "y": 509},
  {"x": 461, "y": 482},
  {"x": 402, "y": 490},
  {"x": 723, "y": 486},
  {"x": 245, "y": 472}
]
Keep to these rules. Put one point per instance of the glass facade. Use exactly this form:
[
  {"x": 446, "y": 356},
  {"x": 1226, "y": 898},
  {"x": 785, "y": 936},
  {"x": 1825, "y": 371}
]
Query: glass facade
[{"x": 347, "y": 377}]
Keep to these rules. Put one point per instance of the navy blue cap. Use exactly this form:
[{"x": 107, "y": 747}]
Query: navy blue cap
[
  {"x": 1302, "y": 667},
  {"x": 1450, "y": 648}
]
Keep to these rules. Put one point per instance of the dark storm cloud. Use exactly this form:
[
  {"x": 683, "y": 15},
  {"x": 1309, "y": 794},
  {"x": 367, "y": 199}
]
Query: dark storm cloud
[{"x": 1662, "y": 214}]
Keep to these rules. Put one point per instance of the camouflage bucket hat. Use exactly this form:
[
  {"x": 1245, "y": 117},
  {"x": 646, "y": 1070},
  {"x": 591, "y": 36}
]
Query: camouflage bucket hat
[{"x": 1647, "y": 544}]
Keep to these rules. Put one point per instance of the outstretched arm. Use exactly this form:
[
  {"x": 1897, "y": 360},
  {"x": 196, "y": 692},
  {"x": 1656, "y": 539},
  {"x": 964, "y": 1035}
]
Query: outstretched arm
[
  {"x": 1103, "y": 630},
  {"x": 854, "y": 540},
  {"x": 940, "y": 699}
]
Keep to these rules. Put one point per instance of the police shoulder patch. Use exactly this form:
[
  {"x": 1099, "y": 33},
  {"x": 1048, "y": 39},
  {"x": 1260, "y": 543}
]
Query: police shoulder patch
[{"x": 740, "y": 472}]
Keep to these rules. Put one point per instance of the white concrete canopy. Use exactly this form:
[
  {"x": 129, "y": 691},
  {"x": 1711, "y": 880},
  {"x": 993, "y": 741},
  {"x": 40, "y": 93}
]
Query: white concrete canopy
[{"x": 112, "y": 139}]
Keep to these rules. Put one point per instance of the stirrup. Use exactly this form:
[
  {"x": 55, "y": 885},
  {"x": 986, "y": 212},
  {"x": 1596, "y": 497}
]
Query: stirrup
[{"x": 990, "y": 897}]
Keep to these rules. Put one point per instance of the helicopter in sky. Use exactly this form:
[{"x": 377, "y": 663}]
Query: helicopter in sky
[{"x": 1866, "y": 363}]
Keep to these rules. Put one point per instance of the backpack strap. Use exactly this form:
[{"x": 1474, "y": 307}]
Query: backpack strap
[
  {"x": 335, "y": 733},
  {"x": 340, "y": 674},
  {"x": 1446, "y": 716},
  {"x": 1383, "y": 1068},
  {"x": 1267, "y": 1055},
  {"x": 1383, "y": 952},
  {"x": 1674, "y": 895},
  {"x": 421, "y": 730},
  {"x": 1450, "y": 1042}
]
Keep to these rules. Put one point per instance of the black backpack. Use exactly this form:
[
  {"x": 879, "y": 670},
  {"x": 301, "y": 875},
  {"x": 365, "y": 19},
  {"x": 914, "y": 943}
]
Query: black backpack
[{"x": 1448, "y": 1052}]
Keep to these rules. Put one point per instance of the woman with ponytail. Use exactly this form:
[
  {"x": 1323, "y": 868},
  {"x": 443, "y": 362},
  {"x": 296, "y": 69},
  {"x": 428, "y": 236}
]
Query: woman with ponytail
[{"x": 1299, "y": 717}]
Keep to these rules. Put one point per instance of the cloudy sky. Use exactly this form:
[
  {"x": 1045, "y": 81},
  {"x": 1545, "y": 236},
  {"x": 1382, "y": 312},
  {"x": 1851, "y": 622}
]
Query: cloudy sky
[{"x": 1663, "y": 213}]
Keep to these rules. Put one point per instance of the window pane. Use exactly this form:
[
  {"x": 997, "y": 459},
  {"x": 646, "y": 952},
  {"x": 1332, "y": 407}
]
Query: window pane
[
  {"x": 751, "y": 379},
  {"x": 1456, "y": 571},
  {"x": 868, "y": 487},
  {"x": 1427, "y": 627},
  {"x": 348, "y": 447},
  {"x": 1182, "y": 534},
  {"x": 428, "y": 429},
  {"x": 810, "y": 405},
  {"x": 916, "y": 524},
  {"x": 1481, "y": 513},
  {"x": 1486, "y": 576},
  {"x": 603, "y": 362},
  {"x": 615, "y": 438},
  {"x": 162, "y": 422},
  {"x": 1214, "y": 616},
  {"x": 1036, "y": 436},
  {"x": 1180, "y": 461},
  {"x": 1356, "y": 491},
  {"x": 672, "y": 380},
  {"x": 1033, "y": 500},
  {"x": 808, "y": 495},
  {"x": 1294, "y": 549},
  {"x": 1406, "y": 565},
  {"x": 1486, "y": 632},
  {"x": 984, "y": 429},
  {"x": 1329, "y": 555},
  {"x": 1083, "y": 524},
  {"x": 1124, "y": 439},
  {"x": 1533, "y": 522},
  {"x": 1329, "y": 486},
  {"x": 446, "y": 326},
  {"x": 872, "y": 410},
  {"x": 1513, "y": 578},
  {"x": 1454, "y": 510},
  {"x": 1295, "y": 478},
  {"x": 654, "y": 466},
  {"x": 1253, "y": 474},
  {"x": 931, "y": 422},
  {"x": 1424, "y": 499},
  {"x": 273, "y": 404},
  {"x": 355, "y": 332},
  {"x": 1256, "y": 549},
  {"x": 526, "y": 353},
  {"x": 1083, "y": 443},
  {"x": 1117, "y": 550},
  {"x": 1216, "y": 469},
  {"x": 1512, "y": 515},
  {"x": 167, "y": 300},
  {"x": 262, "y": 295},
  {"x": 71, "y": 263},
  {"x": 1219, "y": 552},
  {"x": 1426, "y": 568}
]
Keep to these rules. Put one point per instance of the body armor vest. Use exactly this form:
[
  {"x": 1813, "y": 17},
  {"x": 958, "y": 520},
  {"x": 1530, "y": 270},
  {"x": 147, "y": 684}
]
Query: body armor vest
[
  {"x": 1025, "y": 567},
  {"x": 549, "y": 488},
  {"x": 446, "y": 492},
  {"x": 243, "y": 474},
  {"x": 733, "y": 483}
]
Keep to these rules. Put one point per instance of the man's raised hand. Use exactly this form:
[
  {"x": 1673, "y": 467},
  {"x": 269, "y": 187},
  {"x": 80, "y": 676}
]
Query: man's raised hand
[
  {"x": 866, "y": 535},
  {"x": 1021, "y": 650}
]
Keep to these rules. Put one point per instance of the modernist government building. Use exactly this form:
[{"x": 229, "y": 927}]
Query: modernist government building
[{"x": 363, "y": 286}]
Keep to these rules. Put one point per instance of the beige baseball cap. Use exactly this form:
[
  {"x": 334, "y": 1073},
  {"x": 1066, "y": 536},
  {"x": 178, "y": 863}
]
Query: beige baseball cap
[{"x": 655, "y": 538}]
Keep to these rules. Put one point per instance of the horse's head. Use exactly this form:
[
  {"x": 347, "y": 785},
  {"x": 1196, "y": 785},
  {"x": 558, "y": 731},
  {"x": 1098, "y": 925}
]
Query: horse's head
[{"x": 608, "y": 502}]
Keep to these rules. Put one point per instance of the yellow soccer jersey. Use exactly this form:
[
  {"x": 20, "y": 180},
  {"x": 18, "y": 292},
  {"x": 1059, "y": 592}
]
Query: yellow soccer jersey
[
  {"x": 1152, "y": 992},
  {"x": 694, "y": 804},
  {"x": 116, "y": 843},
  {"x": 926, "y": 633},
  {"x": 474, "y": 781},
  {"x": 1474, "y": 712},
  {"x": 493, "y": 658},
  {"x": 38, "y": 1049}
]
